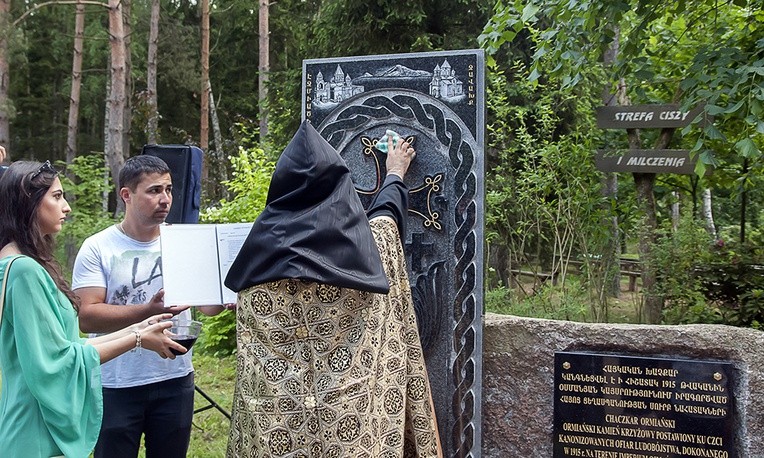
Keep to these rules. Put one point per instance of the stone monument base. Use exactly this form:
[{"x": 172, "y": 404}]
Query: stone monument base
[{"x": 519, "y": 365}]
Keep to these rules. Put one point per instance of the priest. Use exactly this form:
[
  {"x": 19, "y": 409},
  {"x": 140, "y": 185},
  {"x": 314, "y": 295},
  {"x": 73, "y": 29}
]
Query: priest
[{"x": 329, "y": 361}]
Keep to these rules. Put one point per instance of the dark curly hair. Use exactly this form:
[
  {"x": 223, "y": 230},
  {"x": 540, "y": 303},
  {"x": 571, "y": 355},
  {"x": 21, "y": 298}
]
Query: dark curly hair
[{"x": 22, "y": 187}]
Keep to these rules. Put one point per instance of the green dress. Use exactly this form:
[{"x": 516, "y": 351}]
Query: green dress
[{"x": 51, "y": 401}]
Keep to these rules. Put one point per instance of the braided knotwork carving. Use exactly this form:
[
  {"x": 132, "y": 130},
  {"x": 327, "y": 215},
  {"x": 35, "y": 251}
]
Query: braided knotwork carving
[{"x": 410, "y": 108}]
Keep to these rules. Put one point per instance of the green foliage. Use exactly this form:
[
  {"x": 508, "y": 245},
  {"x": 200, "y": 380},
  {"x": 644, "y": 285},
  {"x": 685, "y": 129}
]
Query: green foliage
[
  {"x": 732, "y": 278},
  {"x": 664, "y": 50},
  {"x": 544, "y": 205},
  {"x": 219, "y": 335},
  {"x": 86, "y": 193},
  {"x": 751, "y": 309},
  {"x": 694, "y": 52},
  {"x": 284, "y": 109},
  {"x": 251, "y": 176},
  {"x": 675, "y": 256},
  {"x": 383, "y": 27},
  {"x": 704, "y": 282},
  {"x": 548, "y": 302}
]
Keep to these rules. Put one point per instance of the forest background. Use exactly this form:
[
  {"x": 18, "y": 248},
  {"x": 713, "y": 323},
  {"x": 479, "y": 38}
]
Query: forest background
[{"x": 86, "y": 83}]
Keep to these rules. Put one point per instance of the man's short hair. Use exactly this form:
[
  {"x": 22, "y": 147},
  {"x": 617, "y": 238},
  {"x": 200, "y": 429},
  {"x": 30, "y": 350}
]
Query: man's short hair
[{"x": 138, "y": 166}]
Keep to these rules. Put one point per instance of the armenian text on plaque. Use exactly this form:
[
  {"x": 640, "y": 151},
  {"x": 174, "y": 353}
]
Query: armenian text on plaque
[{"x": 616, "y": 406}]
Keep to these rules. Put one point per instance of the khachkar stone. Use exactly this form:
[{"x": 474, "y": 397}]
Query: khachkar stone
[{"x": 436, "y": 102}]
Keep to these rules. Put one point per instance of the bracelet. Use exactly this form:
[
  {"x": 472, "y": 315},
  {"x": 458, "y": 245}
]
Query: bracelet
[{"x": 137, "y": 341}]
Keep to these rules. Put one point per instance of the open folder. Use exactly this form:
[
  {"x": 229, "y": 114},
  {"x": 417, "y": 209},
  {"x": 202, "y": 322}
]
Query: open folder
[{"x": 196, "y": 259}]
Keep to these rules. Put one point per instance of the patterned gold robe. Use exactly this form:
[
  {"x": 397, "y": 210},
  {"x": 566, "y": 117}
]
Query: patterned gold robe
[{"x": 329, "y": 372}]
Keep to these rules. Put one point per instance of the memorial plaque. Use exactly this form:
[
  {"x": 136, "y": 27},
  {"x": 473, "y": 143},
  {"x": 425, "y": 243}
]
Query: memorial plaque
[
  {"x": 614, "y": 406},
  {"x": 435, "y": 101}
]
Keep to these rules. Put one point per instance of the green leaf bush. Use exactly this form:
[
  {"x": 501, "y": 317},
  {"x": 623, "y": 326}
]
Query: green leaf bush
[
  {"x": 251, "y": 175},
  {"x": 86, "y": 184}
]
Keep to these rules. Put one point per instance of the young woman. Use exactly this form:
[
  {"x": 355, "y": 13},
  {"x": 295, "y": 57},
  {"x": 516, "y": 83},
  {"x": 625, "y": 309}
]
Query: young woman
[{"x": 51, "y": 401}]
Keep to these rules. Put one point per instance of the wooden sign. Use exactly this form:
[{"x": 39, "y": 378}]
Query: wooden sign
[
  {"x": 645, "y": 116},
  {"x": 645, "y": 161}
]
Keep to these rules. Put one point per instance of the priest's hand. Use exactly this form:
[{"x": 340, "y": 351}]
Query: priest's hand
[{"x": 399, "y": 157}]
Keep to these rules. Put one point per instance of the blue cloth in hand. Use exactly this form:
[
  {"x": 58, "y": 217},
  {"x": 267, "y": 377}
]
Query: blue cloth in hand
[{"x": 382, "y": 142}]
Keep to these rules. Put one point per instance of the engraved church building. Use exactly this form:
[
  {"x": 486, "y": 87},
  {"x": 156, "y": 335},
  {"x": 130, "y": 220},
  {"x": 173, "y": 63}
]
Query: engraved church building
[
  {"x": 444, "y": 82},
  {"x": 340, "y": 87}
]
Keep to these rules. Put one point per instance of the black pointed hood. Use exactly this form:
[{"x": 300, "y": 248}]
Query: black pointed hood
[{"x": 313, "y": 226}]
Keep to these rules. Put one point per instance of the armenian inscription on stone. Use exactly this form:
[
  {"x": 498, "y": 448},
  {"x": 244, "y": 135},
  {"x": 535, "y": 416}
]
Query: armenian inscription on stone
[{"x": 614, "y": 406}]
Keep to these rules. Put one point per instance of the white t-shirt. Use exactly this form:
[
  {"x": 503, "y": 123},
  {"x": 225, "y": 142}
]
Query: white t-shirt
[{"x": 131, "y": 272}]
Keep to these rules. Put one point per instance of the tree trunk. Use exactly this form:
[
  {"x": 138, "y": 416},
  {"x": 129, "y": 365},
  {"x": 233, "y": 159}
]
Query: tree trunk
[
  {"x": 217, "y": 133},
  {"x": 220, "y": 170},
  {"x": 708, "y": 213},
  {"x": 74, "y": 94},
  {"x": 645, "y": 184},
  {"x": 5, "y": 123},
  {"x": 127, "y": 109},
  {"x": 675, "y": 211},
  {"x": 116, "y": 103},
  {"x": 743, "y": 202},
  {"x": 653, "y": 305},
  {"x": 263, "y": 68},
  {"x": 151, "y": 75},
  {"x": 216, "y": 154},
  {"x": 205, "y": 97},
  {"x": 611, "y": 258},
  {"x": 70, "y": 245},
  {"x": 106, "y": 140}
]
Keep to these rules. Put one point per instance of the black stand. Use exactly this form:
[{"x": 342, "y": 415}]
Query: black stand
[{"x": 211, "y": 404}]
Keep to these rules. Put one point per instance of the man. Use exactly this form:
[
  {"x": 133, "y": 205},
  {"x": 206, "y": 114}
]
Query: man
[
  {"x": 329, "y": 358},
  {"x": 118, "y": 278}
]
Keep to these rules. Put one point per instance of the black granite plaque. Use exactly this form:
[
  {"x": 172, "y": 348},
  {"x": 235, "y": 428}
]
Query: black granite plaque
[
  {"x": 436, "y": 101},
  {"x": 614, "y": 406}
]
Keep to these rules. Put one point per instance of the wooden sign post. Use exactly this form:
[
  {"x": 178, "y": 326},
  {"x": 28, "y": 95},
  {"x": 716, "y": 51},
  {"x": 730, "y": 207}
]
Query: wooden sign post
[
  {"x": 663, "y": 116},
  {"x": 644, "y": 165}
]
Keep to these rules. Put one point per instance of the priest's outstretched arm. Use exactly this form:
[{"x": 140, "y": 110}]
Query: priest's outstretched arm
[{"x": 392, "y": 199}]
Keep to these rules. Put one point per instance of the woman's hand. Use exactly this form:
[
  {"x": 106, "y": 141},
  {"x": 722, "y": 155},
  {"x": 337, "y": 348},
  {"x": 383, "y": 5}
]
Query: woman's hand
[
  {"x": 155, "y": 337},
  {"x": 151, "y": 320}
]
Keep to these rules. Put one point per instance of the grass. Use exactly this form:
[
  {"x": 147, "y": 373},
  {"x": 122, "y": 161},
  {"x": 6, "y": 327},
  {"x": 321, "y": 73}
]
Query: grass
[
  {"x": 215, "y": 376},
  {"x": 551, "y": 302}
]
